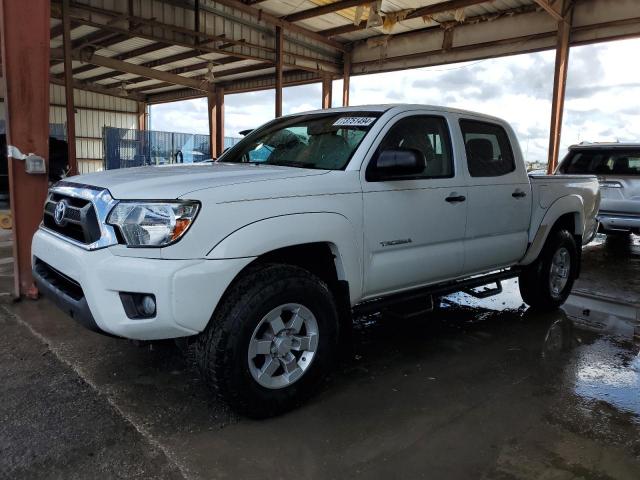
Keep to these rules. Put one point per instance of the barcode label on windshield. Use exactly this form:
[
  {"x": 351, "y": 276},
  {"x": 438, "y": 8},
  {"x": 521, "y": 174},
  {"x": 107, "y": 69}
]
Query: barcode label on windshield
[{"x": 354, "y": 121}]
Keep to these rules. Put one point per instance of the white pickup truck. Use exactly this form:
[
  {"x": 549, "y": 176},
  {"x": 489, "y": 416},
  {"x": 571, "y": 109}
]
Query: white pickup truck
[{"x": 261, "y": 257}]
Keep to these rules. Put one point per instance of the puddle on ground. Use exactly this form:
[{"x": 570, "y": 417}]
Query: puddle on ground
[
  {"x": 608, "y": 372},
  {"x": 603, "y": 339}
]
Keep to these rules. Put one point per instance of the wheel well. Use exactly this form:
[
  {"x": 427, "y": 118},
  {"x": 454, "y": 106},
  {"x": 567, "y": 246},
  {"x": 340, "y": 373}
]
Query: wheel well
[
  {"x": 314, "y": 257},
  {"x": 566, "y": 222},
  {"x": 569, "y": 222},
  {"x": 318, "y": 258}
]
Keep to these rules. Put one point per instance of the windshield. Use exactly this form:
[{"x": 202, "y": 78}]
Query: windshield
[
  {"x": 602, "y": 162},
  {"x": 322, "y": 141}
]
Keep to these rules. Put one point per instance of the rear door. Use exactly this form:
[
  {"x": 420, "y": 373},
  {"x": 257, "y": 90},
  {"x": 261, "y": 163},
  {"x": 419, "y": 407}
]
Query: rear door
[
  {"x": 414, "y": 227},
  {"x": 499, "y": 211}
]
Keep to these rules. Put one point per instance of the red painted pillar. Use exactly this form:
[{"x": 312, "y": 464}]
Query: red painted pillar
[{"x": 24, "y": 35}]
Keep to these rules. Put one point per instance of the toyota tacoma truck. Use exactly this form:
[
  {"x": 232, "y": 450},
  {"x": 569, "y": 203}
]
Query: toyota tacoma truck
[{"x": 260, "y": 259}]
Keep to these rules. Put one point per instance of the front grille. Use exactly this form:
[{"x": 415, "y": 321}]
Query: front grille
[
  {"x": 79, "y": 221},
  {"x": 58, "y": 280}
]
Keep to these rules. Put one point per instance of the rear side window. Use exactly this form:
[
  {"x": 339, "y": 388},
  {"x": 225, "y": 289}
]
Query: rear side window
[
  {"x": 602, "y": 162},
  {"x": 488, "y": 148},
  {"x": 429, "y": 136}
]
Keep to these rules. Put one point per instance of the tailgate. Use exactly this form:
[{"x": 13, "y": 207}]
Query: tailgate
[{"x": 620, "y": 194}]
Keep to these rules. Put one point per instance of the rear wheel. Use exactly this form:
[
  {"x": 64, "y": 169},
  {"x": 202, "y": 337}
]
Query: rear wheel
[
  {"x": 271, "y": 340},
  {"x": 546, "y": 283}
]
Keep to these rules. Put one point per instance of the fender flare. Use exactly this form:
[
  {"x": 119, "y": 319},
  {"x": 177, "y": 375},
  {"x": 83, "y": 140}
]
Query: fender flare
[
  {"x": 569, "y": 204},
  {"x": 273, "y": 233}
]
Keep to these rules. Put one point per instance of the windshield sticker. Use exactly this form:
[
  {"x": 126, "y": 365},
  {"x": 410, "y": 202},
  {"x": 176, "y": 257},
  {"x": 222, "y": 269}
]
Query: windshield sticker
[{"x": 354, "y": 121}]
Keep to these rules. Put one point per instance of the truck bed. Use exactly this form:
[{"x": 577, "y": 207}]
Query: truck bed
[{"x": 546, "y": 190}]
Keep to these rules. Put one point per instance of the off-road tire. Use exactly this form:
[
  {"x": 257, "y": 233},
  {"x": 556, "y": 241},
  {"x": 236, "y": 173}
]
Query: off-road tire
[
  {"x": 221, "y": 350},
  {"x": 534, "y": 280}
]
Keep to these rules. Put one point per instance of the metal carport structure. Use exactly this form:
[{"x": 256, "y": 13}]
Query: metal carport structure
[{"x": 104, "y": 61}]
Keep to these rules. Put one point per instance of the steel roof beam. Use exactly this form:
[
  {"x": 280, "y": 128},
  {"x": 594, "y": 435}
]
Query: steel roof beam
[
  {"x": 550, "y": 9},
  {"x": 179, "y": 70},
  {"x": 90, "y": 87},
  {"x": 224, "y": 73},
  {"x": 235, "y": 86},
  {"x": 156, "y": 63},
  {"x": 151, "y": 73},
  {"x": 122, "y": 56},
  {"x": 324, "y": 10}
]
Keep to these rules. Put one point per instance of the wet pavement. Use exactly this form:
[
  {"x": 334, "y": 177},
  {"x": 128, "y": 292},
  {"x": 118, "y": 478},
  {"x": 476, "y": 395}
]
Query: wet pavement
[{"x": 477, "y": 389}]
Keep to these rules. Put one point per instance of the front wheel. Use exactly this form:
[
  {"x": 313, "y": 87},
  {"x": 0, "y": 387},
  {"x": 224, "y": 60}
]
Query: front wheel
[
  {"x": 271, "y": 341},
  {"x": 547, "y": 282}
]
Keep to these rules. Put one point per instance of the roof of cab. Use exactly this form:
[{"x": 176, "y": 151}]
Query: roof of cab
[{"x": 399, "y": 108}]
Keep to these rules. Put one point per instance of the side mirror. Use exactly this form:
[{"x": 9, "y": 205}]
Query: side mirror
[{"x": 398, "y": 162}]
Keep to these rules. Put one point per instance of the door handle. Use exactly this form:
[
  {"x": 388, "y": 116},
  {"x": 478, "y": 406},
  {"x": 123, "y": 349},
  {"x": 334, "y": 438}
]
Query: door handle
[
  {"x": 519, "y": 194},
  {"x": 455, "y": 198}
]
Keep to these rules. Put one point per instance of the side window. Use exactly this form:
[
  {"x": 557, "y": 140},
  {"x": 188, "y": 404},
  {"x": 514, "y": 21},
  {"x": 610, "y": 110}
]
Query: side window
[
  {"x": 489, "y": 152},
  {"x": 429, "y": 136}
]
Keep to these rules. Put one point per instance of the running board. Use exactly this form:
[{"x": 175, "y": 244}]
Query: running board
[
  {"x": 438, "y": 290},
  {"x": 411, "y": 309},
  {"x": 486, "y": 293}
]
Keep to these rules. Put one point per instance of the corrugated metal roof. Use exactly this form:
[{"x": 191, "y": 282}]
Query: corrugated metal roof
[
  {"x": 90, "y": 73},
  {"x": 123, "y": 47},
  {"x": 346, "y": 17},
  {"x": 245, "y": 39}
]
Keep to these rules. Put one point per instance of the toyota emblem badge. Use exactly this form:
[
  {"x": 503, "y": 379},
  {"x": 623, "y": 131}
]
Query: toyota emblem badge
[{"x": 61, "y": 209}]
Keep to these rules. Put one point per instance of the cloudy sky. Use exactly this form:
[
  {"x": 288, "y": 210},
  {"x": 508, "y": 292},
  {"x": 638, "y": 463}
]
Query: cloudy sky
[{"x": 602, "y": 102}]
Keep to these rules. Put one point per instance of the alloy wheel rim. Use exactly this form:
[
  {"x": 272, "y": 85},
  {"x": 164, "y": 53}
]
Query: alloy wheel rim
[
  {"x": 283, "y": 346},
  {"x": 560, "y": 270}
]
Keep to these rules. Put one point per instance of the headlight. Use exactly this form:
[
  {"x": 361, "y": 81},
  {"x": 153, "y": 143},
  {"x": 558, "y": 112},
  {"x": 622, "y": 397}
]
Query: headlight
[{"x": 152, "y": 224}]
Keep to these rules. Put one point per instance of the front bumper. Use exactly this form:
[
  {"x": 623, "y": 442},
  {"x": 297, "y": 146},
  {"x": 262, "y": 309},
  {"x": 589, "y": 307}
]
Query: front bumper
[
  {"x": 619, "y": 221},
  {"x": 86, "y": 284}
]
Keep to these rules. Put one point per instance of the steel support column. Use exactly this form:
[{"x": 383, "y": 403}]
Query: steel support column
[
  {"x": 279, "y": 68},
  {"x": 346, "y": 77},
  {"x": 559, "y": 88},
  {"x": 24, "y": 35},
  {"x": 216, "y": 121},
  {"x": 220, "y": 119},
  {"x": 211, "y": 109},
  {"x": 327, "y": 85},
  {"x": 68, "y": 89},
  {"x": 142, "y": 116}
]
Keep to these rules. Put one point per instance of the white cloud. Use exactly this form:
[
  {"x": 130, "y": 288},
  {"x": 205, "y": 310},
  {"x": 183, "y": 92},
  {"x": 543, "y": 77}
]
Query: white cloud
[{"x": 602, "y": 103}]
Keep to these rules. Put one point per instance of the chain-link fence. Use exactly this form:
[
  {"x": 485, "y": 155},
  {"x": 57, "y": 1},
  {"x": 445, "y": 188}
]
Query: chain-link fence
[{"x": 125, "y": 148}]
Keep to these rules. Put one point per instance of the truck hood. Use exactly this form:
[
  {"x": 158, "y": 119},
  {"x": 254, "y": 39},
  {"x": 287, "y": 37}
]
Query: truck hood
[{"x": 175, "y": 181}]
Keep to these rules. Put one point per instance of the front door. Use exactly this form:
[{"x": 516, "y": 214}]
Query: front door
[{"x": 414, "y": 226}]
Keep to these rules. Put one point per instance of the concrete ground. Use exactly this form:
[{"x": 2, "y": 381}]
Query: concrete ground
[{"x": 479, "y": 389}]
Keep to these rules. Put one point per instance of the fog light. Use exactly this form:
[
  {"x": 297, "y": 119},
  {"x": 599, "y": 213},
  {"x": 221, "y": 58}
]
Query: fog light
[
  {"x": 138, "y": 305},
  {"x": 148, "y": 305}
]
